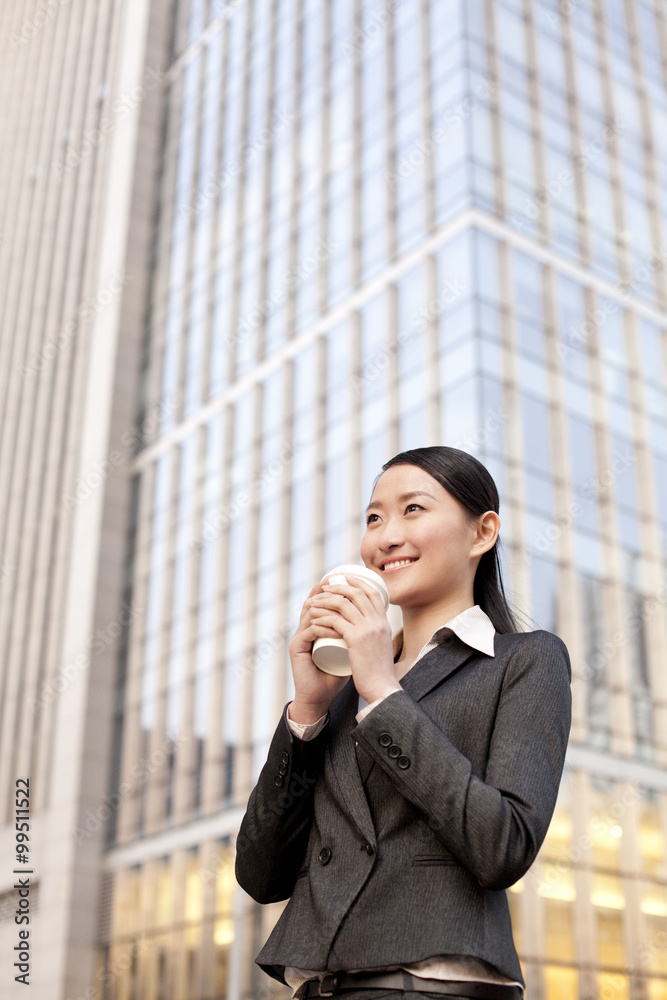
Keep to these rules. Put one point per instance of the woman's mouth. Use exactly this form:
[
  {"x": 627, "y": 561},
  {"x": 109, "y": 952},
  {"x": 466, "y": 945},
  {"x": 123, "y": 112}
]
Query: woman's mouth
[{"x": 392, "y": 567}]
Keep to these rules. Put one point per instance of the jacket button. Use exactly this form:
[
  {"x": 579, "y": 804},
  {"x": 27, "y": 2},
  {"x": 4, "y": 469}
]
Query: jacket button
[
  {"x": 394, "y": 751},
  {"x": 279, "y": 780},
  {"x": 384, "y": 739},
  {"x": 284, "y": 757},
  {"x": 369, "y": 849},
  {"x": 282, "y": 768},
  {"x": 325, "y": 855},
  {"x": 403, "y": 761}
]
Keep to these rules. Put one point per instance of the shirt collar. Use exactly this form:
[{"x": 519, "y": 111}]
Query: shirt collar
[{"x": 473, "y": 626}]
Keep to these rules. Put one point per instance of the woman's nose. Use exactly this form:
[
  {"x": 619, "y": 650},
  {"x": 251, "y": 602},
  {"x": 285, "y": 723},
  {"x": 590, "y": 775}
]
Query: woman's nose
[{"x": 391, "y": 534}]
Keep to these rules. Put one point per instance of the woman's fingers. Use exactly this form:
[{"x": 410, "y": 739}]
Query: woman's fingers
[
  {"x": 340, "y": 604},
  {"x": 366, "y": 600},
  {"x": 319, "y": 628},
  {"x": 317, "y": 588},
  {"x": 343, "y": 604}
]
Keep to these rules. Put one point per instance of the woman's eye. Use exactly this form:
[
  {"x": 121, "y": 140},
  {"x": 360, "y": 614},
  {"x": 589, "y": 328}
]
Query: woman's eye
[{"x": 417, "y": 505}]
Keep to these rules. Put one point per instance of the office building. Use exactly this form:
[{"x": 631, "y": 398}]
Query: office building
[{"x": 366, "y": 228}]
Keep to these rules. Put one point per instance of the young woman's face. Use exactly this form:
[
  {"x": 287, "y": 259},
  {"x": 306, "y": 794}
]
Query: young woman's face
[{"x": 429, "y": 530}]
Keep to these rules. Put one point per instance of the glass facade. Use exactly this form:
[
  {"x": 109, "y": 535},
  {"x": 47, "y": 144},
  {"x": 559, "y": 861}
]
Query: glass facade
[{"x": 383, "y": 226}]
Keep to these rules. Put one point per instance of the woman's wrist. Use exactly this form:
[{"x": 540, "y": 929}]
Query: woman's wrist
[{"x": 305, "y": 713}]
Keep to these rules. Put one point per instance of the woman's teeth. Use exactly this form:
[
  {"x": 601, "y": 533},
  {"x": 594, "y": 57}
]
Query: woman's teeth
[{"x": 398, "y": 564}]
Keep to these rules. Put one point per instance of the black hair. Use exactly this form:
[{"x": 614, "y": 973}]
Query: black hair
[{"x": 471, "y": 483}]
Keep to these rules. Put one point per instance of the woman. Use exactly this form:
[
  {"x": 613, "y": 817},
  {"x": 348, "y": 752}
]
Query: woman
[{"x": 396, "y": 806}]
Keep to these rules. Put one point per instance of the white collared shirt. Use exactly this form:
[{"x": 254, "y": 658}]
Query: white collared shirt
[{"x": 476, "y": 629}]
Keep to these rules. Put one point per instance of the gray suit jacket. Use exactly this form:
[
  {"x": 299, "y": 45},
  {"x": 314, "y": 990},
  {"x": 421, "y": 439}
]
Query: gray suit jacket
[{"x": 468, "y": 759}]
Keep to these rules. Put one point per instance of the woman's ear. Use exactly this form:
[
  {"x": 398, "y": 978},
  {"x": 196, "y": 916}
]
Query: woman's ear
[{"x": 488, "y": 527}]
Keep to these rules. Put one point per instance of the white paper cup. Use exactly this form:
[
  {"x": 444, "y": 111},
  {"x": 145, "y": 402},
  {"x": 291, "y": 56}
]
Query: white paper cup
[{"x": 331, "y": 655}]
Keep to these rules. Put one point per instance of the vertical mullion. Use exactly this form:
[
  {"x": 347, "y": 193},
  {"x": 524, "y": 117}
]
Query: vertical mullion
[
  {"x": 155, "y": 342},
  {"x": 578, "y": 167},
  {"x": 354, "y": 499},
  {"x": 285, "y": 521},
  {"x": 519, "y": 568},
  {"x": 661, "y": 25},
  {"x": 622, "y": 728},
  {"x": 355, "y": 201},
  {"x": 204, "y": 374},
  {"x": 426, "y": 77},
  {"x": 189, "y": 276},
  {"x": 390, "y": 138},
  {"x": 319, "y": 500},
  {"x": 392, "y": 373},
  {"x": 584, "y": 912},
  {"x": 239, "y": 227},
  {"x": 127, "y": 824},
  {"x": 544, "y": 222},
  {"x": 649, "y": 151},
  {"x": 246, "y": 697},
  {"x": 325, "y": 156},
  {"x": 265, "y": 225},
  {"x": 215, "y": 751},
  {"x": 651, "y": 561},
  {"x": 216, "y": 233},
  {"x": 623, "y": 254},
  {"x": 157, "y": 740},
  {"x": 293, "y": 226},
  {"x": 433, "y": 407},
  {"x": 629, "y": 791},
  {"x": 212, "y": 751},
  {"x": 186, "y": 749},
  {"x": 495, "y": 109},
  {"x": 570, "y": 617}
]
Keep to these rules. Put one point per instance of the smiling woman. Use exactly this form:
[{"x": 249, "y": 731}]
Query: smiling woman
[{"x": 397, "y": 805}]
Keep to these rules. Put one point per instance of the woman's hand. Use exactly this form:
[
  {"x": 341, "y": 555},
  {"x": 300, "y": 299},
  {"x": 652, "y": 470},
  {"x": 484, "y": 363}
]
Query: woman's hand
[
  {"x": 355, "y": 611},
  {"x": 314, "y": 690}
]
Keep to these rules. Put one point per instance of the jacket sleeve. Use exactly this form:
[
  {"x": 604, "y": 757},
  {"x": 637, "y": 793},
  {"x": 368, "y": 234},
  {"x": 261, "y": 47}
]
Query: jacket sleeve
[
  {"x": 274, "y": 831},
  {"x": 496, "y": 826}
]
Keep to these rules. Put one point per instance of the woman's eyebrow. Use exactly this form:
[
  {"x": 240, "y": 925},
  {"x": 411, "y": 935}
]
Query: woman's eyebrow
[{"x": 403, "y": 496}]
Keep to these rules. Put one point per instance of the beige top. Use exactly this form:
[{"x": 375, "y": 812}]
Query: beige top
[{"x": 476, "y": 629}]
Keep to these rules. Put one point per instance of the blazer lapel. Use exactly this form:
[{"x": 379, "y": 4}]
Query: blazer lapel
[
  {"x": 437, "y": 665},
  {"x": 341, "y": 750},
  {"x": 430, "y": 671}
]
